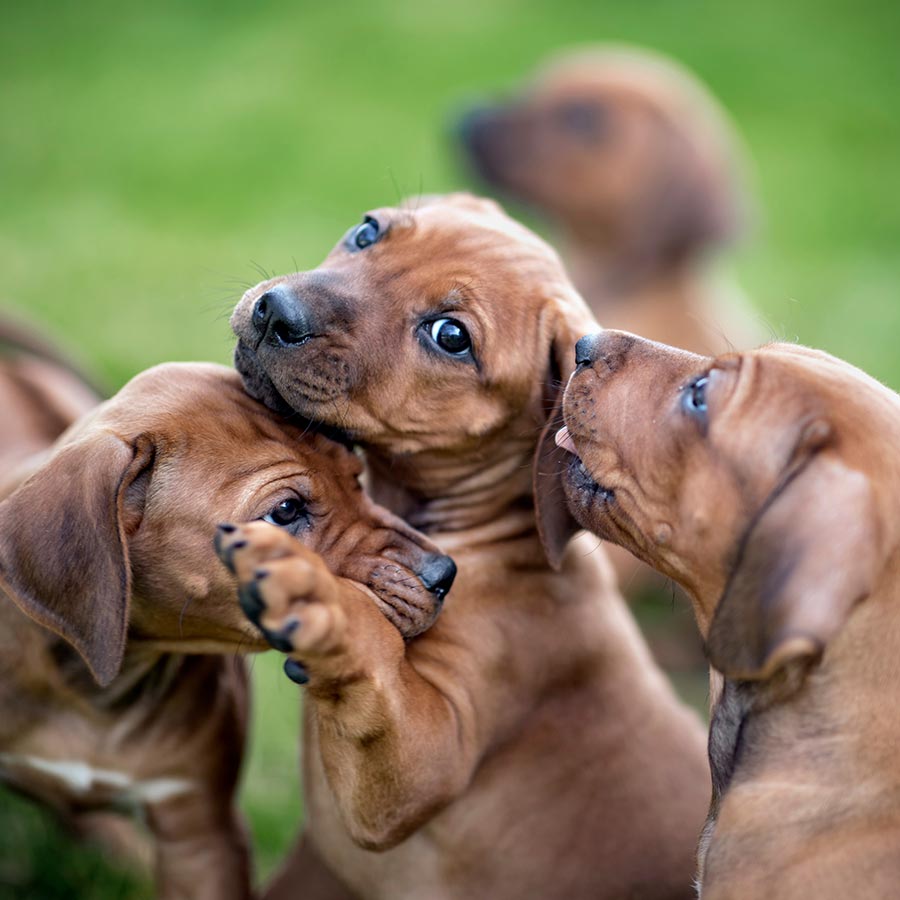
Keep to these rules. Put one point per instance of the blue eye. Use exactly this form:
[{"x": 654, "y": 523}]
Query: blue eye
[
  {"x": 693, "y": 396},
  {"x": 286, "y": 513},
  {"x": 451, "y": 336},
  {"x": 366, "y": 234}
]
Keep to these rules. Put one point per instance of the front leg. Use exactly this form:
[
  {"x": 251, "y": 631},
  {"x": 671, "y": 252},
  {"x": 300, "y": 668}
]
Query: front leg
[
  {"x": 399, "y": 741},
  {"x": 202, "y": 849}
]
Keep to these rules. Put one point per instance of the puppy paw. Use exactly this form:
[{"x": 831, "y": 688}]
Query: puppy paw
[{"x": 285, "y": 589}]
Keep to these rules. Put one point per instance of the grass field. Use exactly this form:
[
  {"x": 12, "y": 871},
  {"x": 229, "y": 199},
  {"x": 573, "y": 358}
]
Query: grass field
[{"x": 154, "y": 161}]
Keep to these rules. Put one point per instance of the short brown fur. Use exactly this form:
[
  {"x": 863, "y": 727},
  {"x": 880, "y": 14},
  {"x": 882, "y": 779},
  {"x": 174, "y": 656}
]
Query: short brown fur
[{"x": 775, "y": 508}]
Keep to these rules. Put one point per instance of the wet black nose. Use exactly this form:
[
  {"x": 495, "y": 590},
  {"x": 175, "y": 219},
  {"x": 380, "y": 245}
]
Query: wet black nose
[
  {"x": 585, "y": 350},
  {"x": 474, "y": 126},
  {"x": 611, "y": 348},
  {"x": 279, "y": 318},
  {"x": 437, "y": 575}
]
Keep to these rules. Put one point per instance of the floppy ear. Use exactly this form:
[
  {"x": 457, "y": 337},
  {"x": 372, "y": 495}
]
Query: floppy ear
[
  {"x": 688, "y": 201},
  {"x": 63, "y": 549},
  {"x": 556, "y": 525},
  {"x": 809, "y": 557}
]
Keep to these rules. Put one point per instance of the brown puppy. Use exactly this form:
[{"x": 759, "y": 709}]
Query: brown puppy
[
  {"x": 634, "y": 163},
  {"x": 526, "y": 745},
  {"x": 764, "y": 483},
  {"x": 109, "y": 690}
]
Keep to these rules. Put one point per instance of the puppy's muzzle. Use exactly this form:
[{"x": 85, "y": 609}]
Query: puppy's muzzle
[
  {"x": 609, "y": 348},
  {"x": 280, "y": 319}
]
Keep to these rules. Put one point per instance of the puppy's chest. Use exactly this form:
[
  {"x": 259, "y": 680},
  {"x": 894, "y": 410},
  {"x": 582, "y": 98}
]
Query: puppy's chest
[{"x": 66, "y": 770}]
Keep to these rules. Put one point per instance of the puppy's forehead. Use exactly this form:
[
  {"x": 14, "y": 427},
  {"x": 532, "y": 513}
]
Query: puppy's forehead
[
  {"x": 192, "y": 404},
  {"x": 461, "y": 239}
]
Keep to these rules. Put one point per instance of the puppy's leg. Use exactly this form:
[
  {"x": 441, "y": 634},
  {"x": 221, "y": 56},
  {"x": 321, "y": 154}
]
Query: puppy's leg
[
  {"x": 304, "y": 874},
  {"x": 203, "y": 850},
  {"x": 398, "y": 741}
]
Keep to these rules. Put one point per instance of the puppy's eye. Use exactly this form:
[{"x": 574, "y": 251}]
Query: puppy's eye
[
  {"x": 286, "y": 513},
  {"x": 366, "y": 234},
  {"x": 693, "y": 396},
  {"x": 451, "y": 336},
  {"x": 586, "y": 120}
]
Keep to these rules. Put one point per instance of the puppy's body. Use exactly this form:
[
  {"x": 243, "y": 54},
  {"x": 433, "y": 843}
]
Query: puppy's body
[
  {"x": 120, "y": 681},
  {"x": 525, "y": 746},
  {"x": 764, "y": 488}
]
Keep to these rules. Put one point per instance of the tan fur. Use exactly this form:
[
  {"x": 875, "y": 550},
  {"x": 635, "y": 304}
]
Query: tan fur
[
  {"x": 107, "y": 549},
  {"x": 776, "y": 510},
  {"x": 526, "y": 745}
]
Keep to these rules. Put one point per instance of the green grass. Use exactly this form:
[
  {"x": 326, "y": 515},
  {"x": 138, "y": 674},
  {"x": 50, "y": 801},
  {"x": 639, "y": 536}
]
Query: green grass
[{"x": 152, "y": 159}]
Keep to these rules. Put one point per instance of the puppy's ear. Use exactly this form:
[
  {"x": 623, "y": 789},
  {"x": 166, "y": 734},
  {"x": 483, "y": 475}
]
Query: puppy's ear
[
  {"x": 556, "y": 525},
  {"x": 690, "y": 199},
  {"x": 807, "y": 560},
  {"x": 63, "y": 548}
]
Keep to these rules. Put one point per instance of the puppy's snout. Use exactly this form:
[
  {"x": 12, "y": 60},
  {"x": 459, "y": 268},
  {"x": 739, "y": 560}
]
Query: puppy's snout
[
  {"x": 279, "y": 318},
  {"x": 476, "y": 126},
  {"x": 437, "y": 574},
  {"x": 607, "y": 347}
]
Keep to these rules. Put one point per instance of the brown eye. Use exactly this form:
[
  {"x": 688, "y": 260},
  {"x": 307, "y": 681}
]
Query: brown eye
[
  {"x": 286, "y": 513},
  {"x": 451, "y": 336}
]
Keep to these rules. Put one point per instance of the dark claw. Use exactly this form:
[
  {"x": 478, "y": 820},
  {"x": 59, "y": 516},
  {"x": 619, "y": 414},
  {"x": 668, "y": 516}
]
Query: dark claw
[
  {"x": 296, "y": 671},
  {"x": 226, "y": 553},
  {"x": 251, "y": 602},
  {"x": 281, "y": 640}
]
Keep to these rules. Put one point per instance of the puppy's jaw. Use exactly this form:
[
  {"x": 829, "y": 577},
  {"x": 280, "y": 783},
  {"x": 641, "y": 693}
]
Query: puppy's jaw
[{"x": 256, "y": 382}]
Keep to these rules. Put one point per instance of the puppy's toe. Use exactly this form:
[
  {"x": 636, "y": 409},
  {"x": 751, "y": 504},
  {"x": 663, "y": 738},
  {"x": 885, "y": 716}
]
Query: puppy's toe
[
  {"x": 227, "y": 540},
  {"x": 292, "y": 602}
]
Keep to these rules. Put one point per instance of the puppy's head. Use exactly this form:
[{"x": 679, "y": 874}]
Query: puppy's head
[
  {"x": 112, "y": 538},
  {"x": 439, "y": 327},
  {"x": 755, "y": 480},
  {"x": 624, "y": 149}
]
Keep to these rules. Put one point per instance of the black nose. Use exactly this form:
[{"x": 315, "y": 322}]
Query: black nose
[
  {"x": 474, "y": 126},
  {"x": 585, "y": 349},
  {"x": 437, "y": 575},
  {"x": 279, "y": 318}
]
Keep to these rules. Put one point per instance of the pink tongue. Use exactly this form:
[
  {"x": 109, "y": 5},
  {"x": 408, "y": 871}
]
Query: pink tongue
[{"x": 564, "y": 440}]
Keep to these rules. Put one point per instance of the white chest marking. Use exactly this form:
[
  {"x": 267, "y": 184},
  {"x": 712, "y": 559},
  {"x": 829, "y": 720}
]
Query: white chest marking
[{"x": 80, "y": 778}]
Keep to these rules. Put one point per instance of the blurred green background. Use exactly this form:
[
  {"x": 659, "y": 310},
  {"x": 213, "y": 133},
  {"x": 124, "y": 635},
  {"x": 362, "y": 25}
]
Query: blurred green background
[{"x": 153, "y": 162}]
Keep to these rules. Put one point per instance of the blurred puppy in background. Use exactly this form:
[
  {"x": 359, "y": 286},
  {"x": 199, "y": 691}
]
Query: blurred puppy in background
[{"x": 635, "y": 165}]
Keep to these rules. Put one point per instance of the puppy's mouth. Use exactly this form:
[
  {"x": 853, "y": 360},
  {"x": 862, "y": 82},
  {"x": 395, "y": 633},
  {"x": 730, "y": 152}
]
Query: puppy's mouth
[
  {"x": 260, "y": 386},
  {"x": 585, "y": 493},
  {"x": 256, "y": 382},
  {"x": 403, "y": 601}
]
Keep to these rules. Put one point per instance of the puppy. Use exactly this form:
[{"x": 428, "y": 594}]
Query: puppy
[
  {"x": 634, "y": 163},
  {"x": 763, "y": 483},
  {"x": 113, "y": 605},
  {"x": 526, "y": 745}
]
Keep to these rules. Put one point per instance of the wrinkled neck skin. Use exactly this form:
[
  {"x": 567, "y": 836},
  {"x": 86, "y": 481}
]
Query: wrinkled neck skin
[{"x": 484, "y": 491}]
